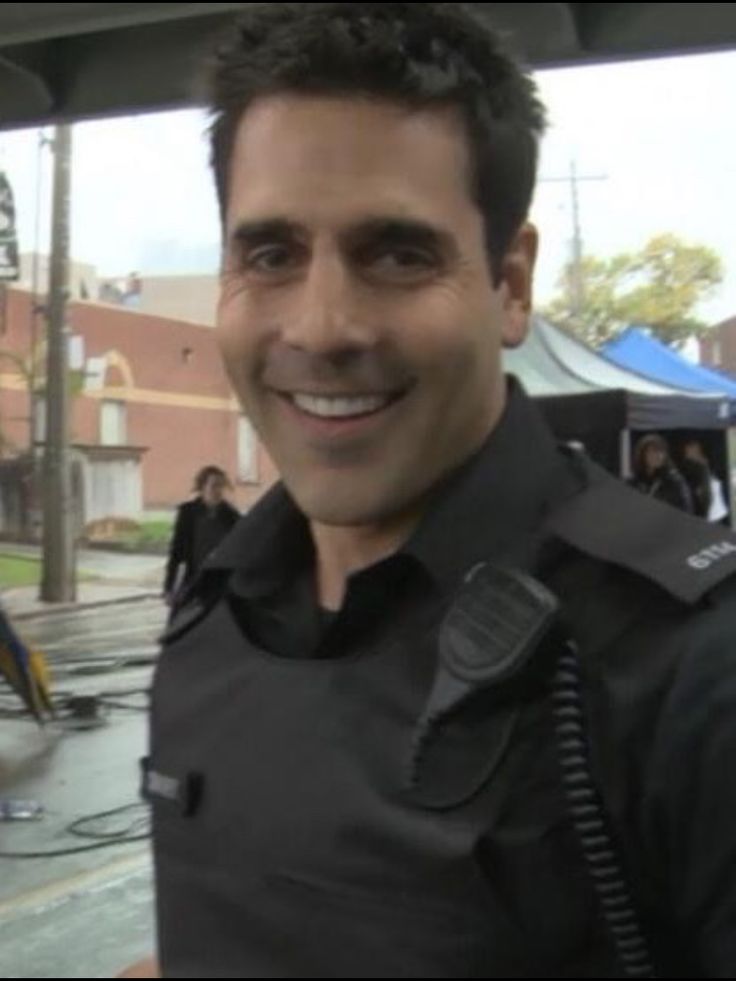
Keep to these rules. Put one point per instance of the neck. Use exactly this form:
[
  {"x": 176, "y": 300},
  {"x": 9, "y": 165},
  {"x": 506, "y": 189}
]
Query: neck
[{"x": 343, "y": 551}]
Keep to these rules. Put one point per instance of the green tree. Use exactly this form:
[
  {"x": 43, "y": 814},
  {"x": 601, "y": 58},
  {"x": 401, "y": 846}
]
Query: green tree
[{"x": 658, "y": 287}]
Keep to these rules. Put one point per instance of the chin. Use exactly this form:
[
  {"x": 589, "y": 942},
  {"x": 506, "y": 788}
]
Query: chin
[
  {"x": 345, "y": 504},
  {"x": 339, "y": 514}
]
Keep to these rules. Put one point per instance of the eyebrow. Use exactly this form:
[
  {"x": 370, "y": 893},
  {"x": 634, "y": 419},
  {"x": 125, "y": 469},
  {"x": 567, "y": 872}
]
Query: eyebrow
[
  {"x": 260, "y": 232},
  {"x": 371, "y": 232},
  {"x": 401, "y": 231}
]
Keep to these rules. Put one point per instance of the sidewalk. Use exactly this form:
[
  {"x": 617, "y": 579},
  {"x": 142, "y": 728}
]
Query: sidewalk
[
  {"x": 22, "y": 603},
  {"x": 107, "y": 578}
]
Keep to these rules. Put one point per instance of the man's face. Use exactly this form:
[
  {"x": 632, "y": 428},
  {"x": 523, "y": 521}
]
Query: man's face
[{"x": 357, "y": 318}]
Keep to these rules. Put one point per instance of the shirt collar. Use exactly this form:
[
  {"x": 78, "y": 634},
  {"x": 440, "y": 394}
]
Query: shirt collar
[
  {"x": 491, "y": 509},
  {"x": 266, "y": 547}
]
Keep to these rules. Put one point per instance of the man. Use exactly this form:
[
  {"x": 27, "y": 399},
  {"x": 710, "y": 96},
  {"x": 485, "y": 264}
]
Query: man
[{"x": 450, "y": 702}]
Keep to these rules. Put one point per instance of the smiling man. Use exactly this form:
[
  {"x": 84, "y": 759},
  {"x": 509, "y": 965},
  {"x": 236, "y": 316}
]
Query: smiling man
[
  {"x": 360, "y": 319},
  {"x": 433, "y": 709}
]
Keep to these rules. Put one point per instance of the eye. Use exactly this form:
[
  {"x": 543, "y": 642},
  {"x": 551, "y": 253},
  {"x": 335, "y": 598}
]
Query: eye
[
  {"x": 401, "y": 263},
  {"x": 264, "y": 259},
  {"x": 408, "y": 258},
  {"x": 271, "y": 258}
]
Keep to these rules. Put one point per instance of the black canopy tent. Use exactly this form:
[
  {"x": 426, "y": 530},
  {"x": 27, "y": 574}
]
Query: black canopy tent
[
  {"x": 585, "y": 414},
  {"x": 608, "y": 424},
  {"x": 588, "y": 400}
]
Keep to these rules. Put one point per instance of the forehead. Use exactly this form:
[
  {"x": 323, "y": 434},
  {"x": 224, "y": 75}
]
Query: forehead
[{"x": 322, "y": 159}]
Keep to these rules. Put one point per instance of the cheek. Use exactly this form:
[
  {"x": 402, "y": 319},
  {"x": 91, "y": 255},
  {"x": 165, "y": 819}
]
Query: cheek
[
  {"x": 228, "y": 340},
  {"x": 246, "y": 323},
  {"x": 234, "y": 333},
  {"x": 436, "y": 323},
  {"x": 229, "y": 355},
  {"x": 467, "y": 346},
  {"x": 225, "y": 320},
  {"x": 464, "y": 317}
]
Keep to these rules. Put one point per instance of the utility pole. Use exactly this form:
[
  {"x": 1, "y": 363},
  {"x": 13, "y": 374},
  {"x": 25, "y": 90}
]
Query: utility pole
[
  {"x": 577, "y": 280},
  {"x": 36, "y": 309},
  {"x": 59, "y": 562},
  {"x": 577, "y": 285}
]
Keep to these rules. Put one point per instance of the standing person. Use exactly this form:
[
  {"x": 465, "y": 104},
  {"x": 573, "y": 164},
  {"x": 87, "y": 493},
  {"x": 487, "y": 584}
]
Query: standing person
[
  {"x": 450, "y": 702},
  {"x": 656, "y": 475},
  {"x": 201, "y": 524},
  {"x": 707, "y": 489},
  {"x": 695, "y": 468}
]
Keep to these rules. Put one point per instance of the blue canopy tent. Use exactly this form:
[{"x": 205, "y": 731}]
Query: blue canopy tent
[{"x": 636, "y": 350}]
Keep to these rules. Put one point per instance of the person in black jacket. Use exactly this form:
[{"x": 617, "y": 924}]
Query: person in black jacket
[
  {"x": 707, "y": 489},
  {"x": 694, "y": 467},
  {"x": 656, "y": 475},
  {"x": 201, "y": 524}
]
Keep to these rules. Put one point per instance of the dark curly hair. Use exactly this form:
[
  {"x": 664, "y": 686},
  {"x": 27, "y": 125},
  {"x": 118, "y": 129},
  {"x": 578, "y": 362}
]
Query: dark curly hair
[
  {"x": 421, "y": 55},
  {"x": 203, "y": 476},
  {"x": 651, "y": 442}
]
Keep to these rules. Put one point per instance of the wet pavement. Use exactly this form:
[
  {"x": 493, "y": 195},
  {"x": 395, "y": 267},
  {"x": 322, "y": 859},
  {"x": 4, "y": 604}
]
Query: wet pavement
[
  {"x": 112, "y": 566},
  {"x": 88, "y": 914}
]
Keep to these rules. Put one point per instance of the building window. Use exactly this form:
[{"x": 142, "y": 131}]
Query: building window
[
  {"x": 717, "y": 354},
  {"x": 247, "y": 453},
  {"x": 113, "y": 427}
]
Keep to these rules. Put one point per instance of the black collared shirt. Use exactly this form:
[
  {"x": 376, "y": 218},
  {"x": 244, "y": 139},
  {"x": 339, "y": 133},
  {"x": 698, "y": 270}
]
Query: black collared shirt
[
  {"x": 491, "y": 509},
  {"x": 649, "y": 598}
]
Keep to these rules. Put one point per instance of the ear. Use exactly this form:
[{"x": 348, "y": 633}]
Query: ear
[{"x": 517, "y": 276}]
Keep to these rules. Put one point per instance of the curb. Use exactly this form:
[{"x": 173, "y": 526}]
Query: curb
[{"x": 53, "y": 609}]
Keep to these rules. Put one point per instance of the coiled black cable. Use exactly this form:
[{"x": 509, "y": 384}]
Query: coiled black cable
[{"x": 591, "y": 823}]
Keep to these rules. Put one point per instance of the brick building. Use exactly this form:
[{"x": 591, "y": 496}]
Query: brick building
[
  {"x": 151, "y": 390},
  {"x": 718, "y": 347}
]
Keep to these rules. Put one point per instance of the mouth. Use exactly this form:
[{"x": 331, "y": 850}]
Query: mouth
[{"x": 341, "y": 408}]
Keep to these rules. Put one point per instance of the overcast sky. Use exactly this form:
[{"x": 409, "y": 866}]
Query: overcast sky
[{"x": 659, "y": 133}]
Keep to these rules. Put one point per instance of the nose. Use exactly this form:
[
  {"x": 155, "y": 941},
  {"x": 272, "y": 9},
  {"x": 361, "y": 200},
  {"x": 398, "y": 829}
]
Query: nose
[{"x": 328, "y": 315}]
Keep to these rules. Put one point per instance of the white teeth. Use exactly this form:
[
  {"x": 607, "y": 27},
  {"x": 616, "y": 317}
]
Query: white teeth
[{"x": 340, "y": 408}]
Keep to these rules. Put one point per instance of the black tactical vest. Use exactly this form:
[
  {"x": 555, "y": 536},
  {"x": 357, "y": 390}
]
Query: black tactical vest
[
  {"x": 312, "y": 821},
  {"x": 321, "y": 819}
]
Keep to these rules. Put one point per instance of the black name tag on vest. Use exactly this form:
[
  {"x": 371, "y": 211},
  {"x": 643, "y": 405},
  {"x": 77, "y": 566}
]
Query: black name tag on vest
[{"x": 183, "y": 793}]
